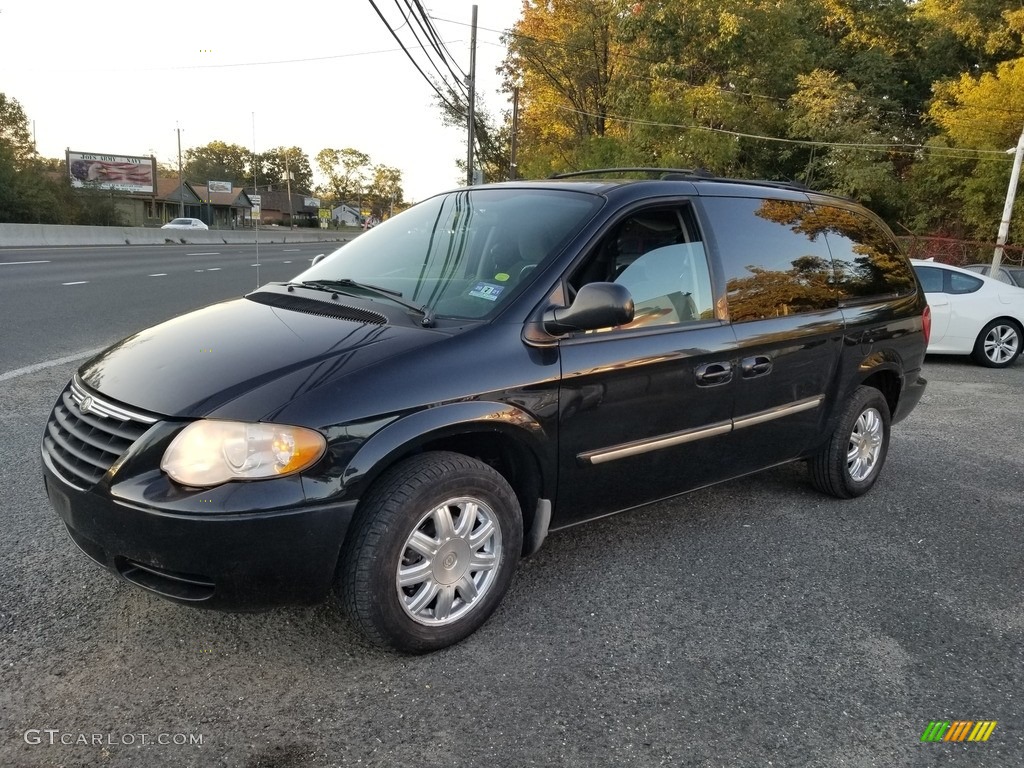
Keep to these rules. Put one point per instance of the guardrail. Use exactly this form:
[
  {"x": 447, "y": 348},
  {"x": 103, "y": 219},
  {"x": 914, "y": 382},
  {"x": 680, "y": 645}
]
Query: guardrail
[{"x": 28, "y": 235}]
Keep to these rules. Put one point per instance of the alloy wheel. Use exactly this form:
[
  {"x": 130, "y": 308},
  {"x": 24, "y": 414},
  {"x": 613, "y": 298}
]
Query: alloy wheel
[
  {"x": 1001, "y": 344},
  {"x": 865, "y": 445},
  {"x": 449, "y": 561}
]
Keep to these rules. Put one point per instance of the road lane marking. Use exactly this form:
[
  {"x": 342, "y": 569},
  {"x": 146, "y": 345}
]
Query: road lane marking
[
  {"x": 4, "y": 263},
  {"x": 77, "y": 282},
  {"x": 49, "y": 363},
  {"x": 159, "y": 274},
  {"x": 213, "y": 269},
  {"x": 286, "y": 262},
  {"x": 291, "y": 250},
  {"x": 211, "y": 253}
]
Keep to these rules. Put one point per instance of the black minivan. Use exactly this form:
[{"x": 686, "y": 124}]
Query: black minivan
[{"x": 411, "y": 415}]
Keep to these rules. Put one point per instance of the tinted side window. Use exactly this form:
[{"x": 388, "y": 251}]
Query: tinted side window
[
  {"x": 868, "y": 262},
  {"x": 774, "y": 264}
]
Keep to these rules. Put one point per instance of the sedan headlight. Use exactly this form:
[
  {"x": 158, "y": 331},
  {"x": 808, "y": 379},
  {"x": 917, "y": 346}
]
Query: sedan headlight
[{"x": 207, "y": 453}]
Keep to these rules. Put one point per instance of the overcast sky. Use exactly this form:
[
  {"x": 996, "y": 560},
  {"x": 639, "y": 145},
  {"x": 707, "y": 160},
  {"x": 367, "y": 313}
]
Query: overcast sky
[{"x": 117, "y": 77}]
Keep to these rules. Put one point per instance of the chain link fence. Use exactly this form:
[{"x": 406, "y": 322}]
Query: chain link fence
[{"x": 949, "y": 250}]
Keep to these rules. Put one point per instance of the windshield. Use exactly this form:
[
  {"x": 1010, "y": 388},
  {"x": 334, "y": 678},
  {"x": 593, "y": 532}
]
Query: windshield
[{"x": 462, "y": 254}]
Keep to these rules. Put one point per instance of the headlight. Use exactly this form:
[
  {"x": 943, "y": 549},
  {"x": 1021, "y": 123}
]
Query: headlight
[{"x": 207, "y": 453}]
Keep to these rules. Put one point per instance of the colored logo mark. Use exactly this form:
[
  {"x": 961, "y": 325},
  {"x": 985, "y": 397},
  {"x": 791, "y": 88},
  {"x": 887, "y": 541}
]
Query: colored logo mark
[{"x": 958, "y": 730}]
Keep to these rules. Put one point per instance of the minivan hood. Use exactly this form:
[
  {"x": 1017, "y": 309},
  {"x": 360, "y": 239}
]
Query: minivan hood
[{"x": 192, "y": 364}]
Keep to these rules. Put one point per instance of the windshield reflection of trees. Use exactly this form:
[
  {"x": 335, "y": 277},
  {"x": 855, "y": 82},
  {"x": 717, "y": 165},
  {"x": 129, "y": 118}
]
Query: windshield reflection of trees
[{"x": 865, "y": 262}]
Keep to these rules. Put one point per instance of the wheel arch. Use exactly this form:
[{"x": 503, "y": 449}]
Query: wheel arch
[
  {"x": 501, "y": 435},
  {"x": 888, "y": 381}
]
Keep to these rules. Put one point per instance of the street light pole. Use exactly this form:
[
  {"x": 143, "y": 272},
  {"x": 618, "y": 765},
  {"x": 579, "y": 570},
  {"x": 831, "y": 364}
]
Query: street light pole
[
  {"x": 181, "y": 183},
  {"x": 1011, "y": 193}
]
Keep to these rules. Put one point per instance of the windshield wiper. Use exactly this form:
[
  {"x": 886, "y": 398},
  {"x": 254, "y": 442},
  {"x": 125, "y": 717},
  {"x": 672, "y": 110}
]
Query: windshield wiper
[{"x": 387, "y": 293}]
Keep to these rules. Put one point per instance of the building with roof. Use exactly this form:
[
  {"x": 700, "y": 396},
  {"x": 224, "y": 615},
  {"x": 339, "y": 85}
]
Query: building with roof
[{"x": 171, "y": 199}]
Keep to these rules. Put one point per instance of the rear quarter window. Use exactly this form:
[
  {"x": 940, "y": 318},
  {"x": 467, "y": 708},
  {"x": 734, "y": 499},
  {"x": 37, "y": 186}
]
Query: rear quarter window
[
  {"x": 868, "y": 262},
  {"x": 775, "y": 263},
  {"x": 938, "y": 280}
]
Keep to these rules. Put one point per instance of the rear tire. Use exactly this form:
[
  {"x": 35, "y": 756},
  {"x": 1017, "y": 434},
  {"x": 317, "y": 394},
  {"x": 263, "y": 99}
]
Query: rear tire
[
  {"x": 431, "y": 553},
  {"x": 998, "y": 344},
  {"x": 848, "y": 465}
]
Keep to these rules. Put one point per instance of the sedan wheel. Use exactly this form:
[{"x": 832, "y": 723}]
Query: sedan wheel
[
  {"x": 431, "y": 552},
  {"x": 998, "y": 344}
]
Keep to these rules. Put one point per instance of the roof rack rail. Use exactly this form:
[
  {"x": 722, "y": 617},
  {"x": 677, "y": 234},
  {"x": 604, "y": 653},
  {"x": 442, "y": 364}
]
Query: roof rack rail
[
  {"x": 700, "y": 173},
  {"x": 684, "y": 174}
]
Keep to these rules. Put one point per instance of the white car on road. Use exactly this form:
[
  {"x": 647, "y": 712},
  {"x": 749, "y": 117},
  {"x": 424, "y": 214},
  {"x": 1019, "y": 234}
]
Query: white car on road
[
  {"x": 184, "y": 224},
  {"x": 972, "y": 314}
]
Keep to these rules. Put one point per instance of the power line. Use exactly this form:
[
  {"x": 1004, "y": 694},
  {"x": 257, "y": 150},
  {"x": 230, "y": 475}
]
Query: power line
[
  {"x": 890, "y": 147},
  {"x": 439, "y": 43},
  {"x": 269, "y": 62},
  {"x": 430, "y": 82},
  {"x": 432, "y": 44}
]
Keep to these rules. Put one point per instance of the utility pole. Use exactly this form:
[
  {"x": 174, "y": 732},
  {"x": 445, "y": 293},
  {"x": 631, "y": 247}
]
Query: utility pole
[
  {"x": 512, "y": 165},
  {"x": 1011, "y": 193},
  {"x": 288, "y": 181},
  {"x": 471, "y": 87},
  {"x": 181, "y": 182}
]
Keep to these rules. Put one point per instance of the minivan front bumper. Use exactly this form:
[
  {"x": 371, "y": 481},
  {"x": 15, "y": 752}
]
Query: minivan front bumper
[{"x": 235, "y": 561}]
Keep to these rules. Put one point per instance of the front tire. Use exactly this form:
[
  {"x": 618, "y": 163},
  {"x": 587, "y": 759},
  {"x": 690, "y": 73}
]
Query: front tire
[
  {"x": 431, "y": 553},
  {"x": 998, "y": 344},
  {"x": 848, "y": 465}
]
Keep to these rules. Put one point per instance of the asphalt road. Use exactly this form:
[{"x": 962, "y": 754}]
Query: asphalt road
[
  {"x": 59, "y": 301},
  {"x": 753, "y": 624}
]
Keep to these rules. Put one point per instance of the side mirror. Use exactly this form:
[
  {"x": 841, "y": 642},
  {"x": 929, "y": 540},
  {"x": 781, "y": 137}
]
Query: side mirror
[
  {"x": 318, "y": 258},
  {"x": 597, "y": 305}
]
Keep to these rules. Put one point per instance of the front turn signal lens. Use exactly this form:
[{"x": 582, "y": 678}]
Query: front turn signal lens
[{"x": 210, "y": 452}]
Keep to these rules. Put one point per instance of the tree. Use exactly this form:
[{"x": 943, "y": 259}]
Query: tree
[
  {"x": 983, "y": 113},
  {"x": 492, "y": 139},
  {"x": 276, "y": 163},
  {"x": 564, "y": 55},
  {"x": 347, "y": 172},
  {"x": 219, "y": 161},
  {"x": 384, "y": 191},
  {"x": 27, "y": 194},
  {"x": 14, "y": 132}
]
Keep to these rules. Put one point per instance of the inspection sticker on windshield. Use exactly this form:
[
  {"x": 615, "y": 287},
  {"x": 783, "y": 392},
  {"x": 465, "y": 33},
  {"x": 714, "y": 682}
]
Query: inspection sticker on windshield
[{"x": 487, "y": 291}]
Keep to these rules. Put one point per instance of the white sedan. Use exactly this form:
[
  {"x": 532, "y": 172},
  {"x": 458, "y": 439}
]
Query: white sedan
[
  {"x": 972, "y": 314},
  {"x": 184, "y": 224}
]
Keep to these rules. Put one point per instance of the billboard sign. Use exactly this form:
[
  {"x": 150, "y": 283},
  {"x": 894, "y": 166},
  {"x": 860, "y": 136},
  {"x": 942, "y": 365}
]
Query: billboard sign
[
  {"x": 122, "y": 173},
  {"x": 219, "y": 186},
  {"x": 311, "y": 202}
]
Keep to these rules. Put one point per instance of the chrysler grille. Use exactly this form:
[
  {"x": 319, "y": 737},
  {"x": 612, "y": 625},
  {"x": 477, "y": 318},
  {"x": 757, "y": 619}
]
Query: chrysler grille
[{"x": 86, "y": 434}]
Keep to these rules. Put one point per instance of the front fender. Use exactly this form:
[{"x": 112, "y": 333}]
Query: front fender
[{"x": 410, "y": 433}]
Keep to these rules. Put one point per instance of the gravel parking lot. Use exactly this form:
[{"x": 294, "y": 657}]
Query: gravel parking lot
[{"x": 752, "y": 624}]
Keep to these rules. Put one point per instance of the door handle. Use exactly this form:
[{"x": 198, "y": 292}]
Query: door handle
[
  {"x": 710, "y": 374},
  {"x": 756, "y": 366}
]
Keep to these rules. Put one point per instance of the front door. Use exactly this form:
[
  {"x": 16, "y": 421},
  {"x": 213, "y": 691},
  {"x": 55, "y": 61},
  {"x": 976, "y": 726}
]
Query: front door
[{"x": 645, "y": 409}]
